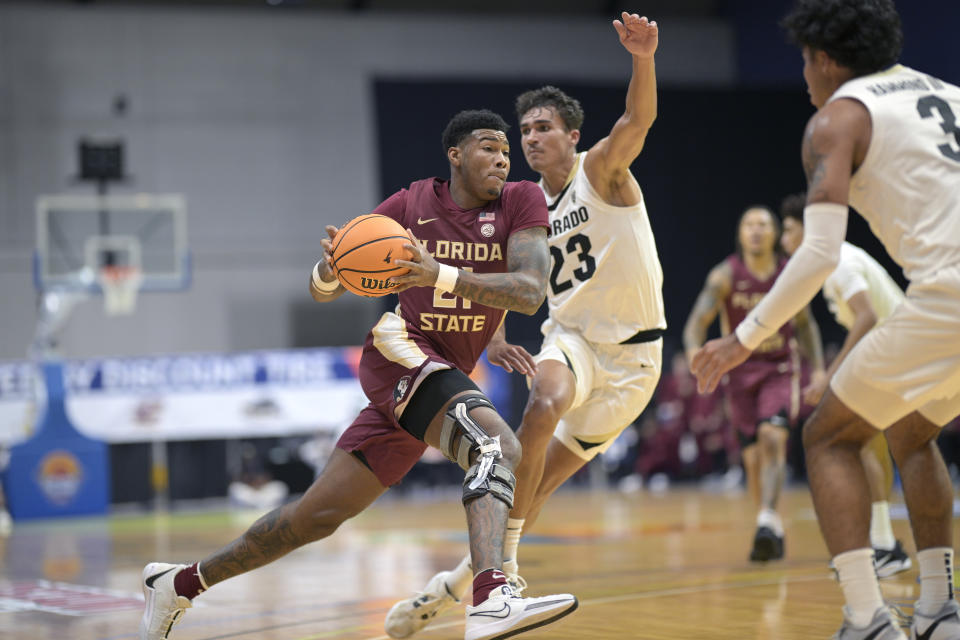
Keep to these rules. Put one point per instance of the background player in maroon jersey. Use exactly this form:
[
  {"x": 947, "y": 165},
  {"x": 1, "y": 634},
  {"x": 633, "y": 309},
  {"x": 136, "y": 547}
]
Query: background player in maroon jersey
[
  {"x": 491, "y": 237},
  {"x": 763, "y": 394}
]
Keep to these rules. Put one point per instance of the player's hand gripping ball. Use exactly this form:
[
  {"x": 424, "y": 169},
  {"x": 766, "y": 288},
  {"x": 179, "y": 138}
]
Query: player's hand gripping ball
[{"x": 363, "y": 253}]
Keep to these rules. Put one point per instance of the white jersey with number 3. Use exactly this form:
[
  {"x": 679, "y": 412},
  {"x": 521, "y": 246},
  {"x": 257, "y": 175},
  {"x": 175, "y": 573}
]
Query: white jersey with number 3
[
  {"x": 908, "y": 187},
  {"x": 605, "y": 276}
]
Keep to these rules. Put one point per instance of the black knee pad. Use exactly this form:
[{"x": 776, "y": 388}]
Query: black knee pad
[
  {"x": 500, "y": 482},
  {"x": 431, "y": 396}
]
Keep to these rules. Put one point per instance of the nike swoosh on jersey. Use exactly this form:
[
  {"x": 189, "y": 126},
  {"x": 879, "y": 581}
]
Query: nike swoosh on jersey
[
  {"x": 422, "y": 221},
  {"x": 502, "y": 612},
  {"x": 149, "y": 581}
]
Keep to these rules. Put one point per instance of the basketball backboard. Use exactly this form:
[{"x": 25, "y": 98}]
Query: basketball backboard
[{"x": 79, "y": 235}]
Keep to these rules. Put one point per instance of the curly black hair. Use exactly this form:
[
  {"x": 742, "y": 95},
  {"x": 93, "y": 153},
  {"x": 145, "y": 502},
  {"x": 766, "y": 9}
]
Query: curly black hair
[
  {"x": 549, "y": 96},
  {"x": 793, "y": 205},
  {"x": 467, "y": 121},
  {"x": 862, "y": 35}
]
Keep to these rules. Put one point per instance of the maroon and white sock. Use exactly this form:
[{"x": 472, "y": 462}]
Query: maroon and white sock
[
  {"x": 485, "y": 582},
  {"x": 189, "y": 583}
]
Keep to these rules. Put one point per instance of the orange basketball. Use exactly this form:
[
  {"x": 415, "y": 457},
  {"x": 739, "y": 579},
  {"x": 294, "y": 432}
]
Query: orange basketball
[{"x": 363, "y": 253}]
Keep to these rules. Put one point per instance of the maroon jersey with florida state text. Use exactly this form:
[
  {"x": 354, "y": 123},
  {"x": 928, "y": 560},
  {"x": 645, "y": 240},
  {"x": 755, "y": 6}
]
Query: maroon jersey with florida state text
[
  {"x": 471, "y": 239},
  {"x": 746, "y": 292}
]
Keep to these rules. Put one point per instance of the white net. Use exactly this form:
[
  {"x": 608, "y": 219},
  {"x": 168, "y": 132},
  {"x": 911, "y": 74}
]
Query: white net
[{"x": 120, "y": 285}]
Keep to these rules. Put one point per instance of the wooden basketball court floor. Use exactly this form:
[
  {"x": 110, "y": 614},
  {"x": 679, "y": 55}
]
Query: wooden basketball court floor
[{"x": 643, "y": 566}]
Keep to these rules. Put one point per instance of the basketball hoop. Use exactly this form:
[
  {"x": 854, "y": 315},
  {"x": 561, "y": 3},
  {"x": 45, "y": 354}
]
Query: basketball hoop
[{"x": 120, "y": 284}]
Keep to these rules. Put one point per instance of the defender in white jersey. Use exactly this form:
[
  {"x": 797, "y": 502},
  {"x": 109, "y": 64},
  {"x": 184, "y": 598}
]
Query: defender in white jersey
[
  {"x": 860, "y": 294},
  {"x": 605, "y": 322},
  {"x": 601, "y": 354},
  {"x": 594, "y": 244},
  {"x": 885, "y": 139}
]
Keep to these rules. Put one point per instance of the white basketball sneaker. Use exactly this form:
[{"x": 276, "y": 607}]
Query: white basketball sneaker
[
  {"x": 882, "y": 627},
  {"x": 164, "y": 608},
  {"x": 408, "y": 616},
  {"x": 504, "y": 614},
  {"x": 943, "y": 625}
]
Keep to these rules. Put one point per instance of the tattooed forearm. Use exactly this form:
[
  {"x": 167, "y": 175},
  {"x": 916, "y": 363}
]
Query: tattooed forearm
[
  {"x": 511, "y": 291},
  {"x": 705, "y": 309},
  {"x": 487, "y": 524},
  {"x": 524, "y": 287},
  {"x": 702, "y": 314},
  {"x": 267, "y": 539},
  {"x": 814, "y": 164}
]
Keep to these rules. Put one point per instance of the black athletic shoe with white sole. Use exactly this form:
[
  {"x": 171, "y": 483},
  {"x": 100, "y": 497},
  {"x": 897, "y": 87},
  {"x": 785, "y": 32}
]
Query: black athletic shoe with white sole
[
  {"x": 891, "y": 561},
  {"x": 767, "y": 545}
]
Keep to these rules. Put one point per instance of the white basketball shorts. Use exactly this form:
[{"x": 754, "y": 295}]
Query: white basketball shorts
[
  {"x": 910, "y": 362},
  {"x": 614, "y": 383}
]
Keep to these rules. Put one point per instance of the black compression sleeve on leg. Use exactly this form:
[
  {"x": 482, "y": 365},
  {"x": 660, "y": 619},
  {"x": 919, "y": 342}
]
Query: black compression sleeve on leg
[{"x": 431, "y": 397}]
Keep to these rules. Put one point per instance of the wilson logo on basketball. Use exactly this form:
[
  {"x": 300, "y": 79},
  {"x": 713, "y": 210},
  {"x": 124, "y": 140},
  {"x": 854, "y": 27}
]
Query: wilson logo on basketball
[{"x": 374, "y": 284}]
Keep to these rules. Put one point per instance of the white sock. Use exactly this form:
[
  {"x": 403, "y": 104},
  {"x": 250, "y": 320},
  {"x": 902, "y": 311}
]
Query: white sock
[
  {"x": 770, "y": 519},
  {"x": 460, "y": 579},
  {"x": 881, "y": 530},
  {"x": 510, "y": 543},
  {"x": 861, "y": 589},
  {"x": 936, "y": 579}
]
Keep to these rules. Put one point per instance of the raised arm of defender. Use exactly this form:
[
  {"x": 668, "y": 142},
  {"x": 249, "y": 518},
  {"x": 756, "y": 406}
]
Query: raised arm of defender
[{"x": 608, "y": 163}]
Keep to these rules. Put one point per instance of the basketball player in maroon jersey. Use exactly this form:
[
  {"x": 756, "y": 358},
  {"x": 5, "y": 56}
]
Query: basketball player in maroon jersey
[
  {"x": 600, "y": 358},
  {"x": 482, "y": 250},
  {"x": 763, "y": 393}
]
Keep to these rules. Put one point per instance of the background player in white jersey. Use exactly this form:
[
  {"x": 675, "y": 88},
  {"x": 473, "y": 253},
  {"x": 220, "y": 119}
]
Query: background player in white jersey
[
  {"x": 860, "y": 294},
  {"x": 886, "y": 140},
  {"x": 601, "y": 354}
]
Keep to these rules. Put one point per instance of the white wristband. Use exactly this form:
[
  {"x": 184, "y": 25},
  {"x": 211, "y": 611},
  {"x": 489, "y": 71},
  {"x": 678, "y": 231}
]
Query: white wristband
[
  {"x": 322, "y": 285},
  {"x": 751, "y": 333},
  {"x": 447, "y": 278}
]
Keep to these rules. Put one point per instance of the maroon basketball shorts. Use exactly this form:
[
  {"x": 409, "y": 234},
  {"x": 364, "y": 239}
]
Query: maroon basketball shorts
[
  {"x": 393, "y": 365},
  {"x": 760, "y": 391}
]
